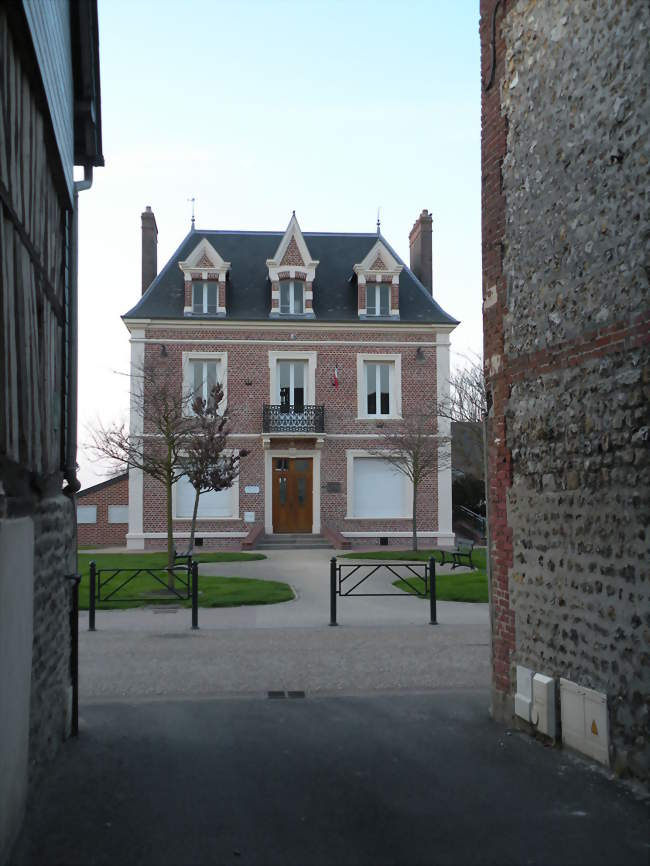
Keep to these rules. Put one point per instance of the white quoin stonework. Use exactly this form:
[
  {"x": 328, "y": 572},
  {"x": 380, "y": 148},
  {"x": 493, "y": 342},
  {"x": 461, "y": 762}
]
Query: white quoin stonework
[{"x": 134, "y": 538}]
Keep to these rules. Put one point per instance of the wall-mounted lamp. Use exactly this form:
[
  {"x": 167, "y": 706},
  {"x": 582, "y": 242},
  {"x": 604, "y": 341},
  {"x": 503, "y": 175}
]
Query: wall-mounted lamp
[
  {"x": 419, "y": 354},
  {"x": 163, "y": 351}
]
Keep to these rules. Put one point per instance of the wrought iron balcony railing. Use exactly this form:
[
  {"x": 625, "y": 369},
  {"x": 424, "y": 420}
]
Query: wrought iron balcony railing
[{"x": 293, "y": 419}]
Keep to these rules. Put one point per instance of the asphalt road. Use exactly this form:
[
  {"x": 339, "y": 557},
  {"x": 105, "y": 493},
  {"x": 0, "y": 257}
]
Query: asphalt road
[{"x": 383, "y": 779}]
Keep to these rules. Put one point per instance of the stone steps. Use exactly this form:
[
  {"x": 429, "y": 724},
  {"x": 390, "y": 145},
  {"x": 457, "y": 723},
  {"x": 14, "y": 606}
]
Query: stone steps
[{"x": 293, "y": 541}]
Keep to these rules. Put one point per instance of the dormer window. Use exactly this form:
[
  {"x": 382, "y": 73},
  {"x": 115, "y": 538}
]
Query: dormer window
[
  {"x": 378, "y": 283},
  {"x": 205, "y": 281},
  {"x": 292, "y": 298},
  {"x": 378, "y": 300},
  {"x": 204, "y": 297},
  {"x": 291, "y": 274}
]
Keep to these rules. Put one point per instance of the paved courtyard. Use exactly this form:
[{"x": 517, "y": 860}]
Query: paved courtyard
[
  {"x": 381, "y": 643},
  {"x": 384, "y": 779}
]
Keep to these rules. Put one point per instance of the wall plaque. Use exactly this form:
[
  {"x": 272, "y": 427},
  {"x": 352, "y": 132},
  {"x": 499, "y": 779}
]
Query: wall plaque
[
  {"x": 252, "y": 488},
  {"x": 333, "y": 486}
]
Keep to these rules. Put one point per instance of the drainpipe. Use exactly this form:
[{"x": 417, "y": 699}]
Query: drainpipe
[{"x": 70, "y": 466}]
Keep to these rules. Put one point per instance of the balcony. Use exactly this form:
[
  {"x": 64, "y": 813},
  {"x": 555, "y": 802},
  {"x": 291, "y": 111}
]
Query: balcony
[{"x": 283, "y": 418}]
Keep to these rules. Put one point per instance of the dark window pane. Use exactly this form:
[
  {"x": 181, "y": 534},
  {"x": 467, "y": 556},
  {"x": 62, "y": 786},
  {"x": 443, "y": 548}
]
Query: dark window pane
[
  {"x": 371, "y": 306},
  {"x": 383, "y": 383},
  {"x": 197, "y": 377},
  {"x": 284, "y": 399},
  {"x": 282, "y": 481},
  {"x": 297, "y": 298},
  {"x": 197, "y": 297},
  {"x": 302, "y": 490},
  {"x": 212, "y": 298},
  {"x": 371, "y": 380},
  {"x": 299, "y": 399},
  {"x": 384, "y": 295},
  {"x": 284, "y": 298},
  {"x": 301, "y": 465}
]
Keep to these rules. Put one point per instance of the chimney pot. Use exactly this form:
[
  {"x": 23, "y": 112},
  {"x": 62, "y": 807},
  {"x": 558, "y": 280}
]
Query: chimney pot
[
  {"x": 149, "y": 248},
  {"x": 421, "y": 245}
]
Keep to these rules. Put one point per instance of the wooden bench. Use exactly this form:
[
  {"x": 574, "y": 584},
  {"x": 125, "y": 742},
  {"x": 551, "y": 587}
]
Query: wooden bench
[{"x": 462, "y": 550}]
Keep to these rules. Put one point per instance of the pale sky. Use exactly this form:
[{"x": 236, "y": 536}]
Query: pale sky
[{"x": 258, "y": 108}]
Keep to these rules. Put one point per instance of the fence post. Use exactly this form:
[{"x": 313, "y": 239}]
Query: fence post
[
  {"x": 189, "y": 576},
  {"x": 195, "y": 596},
  {"x": 333, "y": 591},
  {"x": 91, "y": 596},
  {"x": 432, "y": 592}
]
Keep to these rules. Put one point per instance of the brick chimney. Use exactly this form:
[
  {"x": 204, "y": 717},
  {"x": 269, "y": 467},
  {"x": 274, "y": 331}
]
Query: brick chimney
[
  {"x": 420, "y": 241},
  {"x": 149, "y": 248}
]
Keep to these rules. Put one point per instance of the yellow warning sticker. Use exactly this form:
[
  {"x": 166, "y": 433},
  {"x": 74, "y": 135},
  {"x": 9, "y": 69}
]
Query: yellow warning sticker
[{"x": 594, "y": 728}]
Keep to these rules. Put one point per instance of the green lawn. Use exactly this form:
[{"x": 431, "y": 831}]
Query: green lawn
[
  {"x": 461, "y": 585},
  {"x": 146, "y": 590}
]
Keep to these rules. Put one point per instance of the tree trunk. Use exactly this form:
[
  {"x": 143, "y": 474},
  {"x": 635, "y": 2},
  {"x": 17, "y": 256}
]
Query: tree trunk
[
  {"x": 415, "y": 516},
  {"x": 170, "y": 534},
  {"x": 194, "y": 513}
]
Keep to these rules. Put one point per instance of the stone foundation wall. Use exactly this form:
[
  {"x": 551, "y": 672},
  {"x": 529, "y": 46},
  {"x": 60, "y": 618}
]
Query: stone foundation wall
[{"x": 51, "y": 687}]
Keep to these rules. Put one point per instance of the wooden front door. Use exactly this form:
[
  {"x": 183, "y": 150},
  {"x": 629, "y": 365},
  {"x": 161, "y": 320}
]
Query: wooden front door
[{"x": 292, "y": 494}]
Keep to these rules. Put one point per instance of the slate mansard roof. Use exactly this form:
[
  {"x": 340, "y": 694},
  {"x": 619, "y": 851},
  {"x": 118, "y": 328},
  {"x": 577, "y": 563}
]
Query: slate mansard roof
[{"x": 248, "y": 292}]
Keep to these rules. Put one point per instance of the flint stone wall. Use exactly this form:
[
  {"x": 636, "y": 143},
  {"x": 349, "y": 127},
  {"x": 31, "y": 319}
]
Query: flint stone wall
[
  {"x": 51, "y": 694},
  {"x": 575, "y": 341}
]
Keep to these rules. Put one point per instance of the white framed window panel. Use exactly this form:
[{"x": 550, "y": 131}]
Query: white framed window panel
[
  {"x": 376, "y": 489},
  {"x": 118, "y": 513},
  {"x": 201, "y": 370},
  {"x": 292, "y": 297},
  {"x": 86, "y": 514},
  {"x": 309, "y": 380},
  {"x": 378, "y": 299},
  {"x": 205, "y": 297},
  {"x": 213, "y": 505},
  {"x": 394, "y": 384}
]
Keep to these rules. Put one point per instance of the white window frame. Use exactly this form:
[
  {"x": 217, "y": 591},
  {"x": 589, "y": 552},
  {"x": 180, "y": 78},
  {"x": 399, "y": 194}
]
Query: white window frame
[
  {"x": 292, "y": 281},
  {"x": 87, "y": 508},
  {"x": 310, "y": 378},
  {"x": 353, "y": 454},
  {"x": 125, "y": 509},
  {"x": 394, "y": 385},
  {"x": 204, "y": 309},
  {"x": 235, "y": 505},
  {"x": 222, "y": 375},
  {"x": 376, "y": 289}
]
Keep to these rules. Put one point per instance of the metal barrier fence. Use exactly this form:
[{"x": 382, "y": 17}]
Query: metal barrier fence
[
  {"x": 190, "y": 587},
  {"x": 340, "y": 572}
]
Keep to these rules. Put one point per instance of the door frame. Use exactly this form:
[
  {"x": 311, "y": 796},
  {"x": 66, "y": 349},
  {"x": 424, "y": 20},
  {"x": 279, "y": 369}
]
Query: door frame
[{"x": 269, "y": 454}]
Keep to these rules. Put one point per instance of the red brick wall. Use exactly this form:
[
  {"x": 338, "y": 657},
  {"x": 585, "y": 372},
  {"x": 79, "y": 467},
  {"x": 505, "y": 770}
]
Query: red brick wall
[
  {"x": 104, "y": 533},
  {"x": 493, "y": 149},
  {"x": 248, "y": 388}
]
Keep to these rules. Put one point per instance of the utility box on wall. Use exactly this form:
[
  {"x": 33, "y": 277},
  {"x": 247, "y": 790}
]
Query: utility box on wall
[
  {"x": 585, "y": 725},
  {"x": 543, "y": 709}
]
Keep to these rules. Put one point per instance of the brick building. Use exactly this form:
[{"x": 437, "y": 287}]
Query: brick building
[
  {"x": 565, "y": 155},
  {"x": 321, "y": 342},
  {"x": 103, "y": 513}
]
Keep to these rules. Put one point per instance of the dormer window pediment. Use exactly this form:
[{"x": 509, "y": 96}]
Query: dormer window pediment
[
  {"x": 378, "y": 283},
  {"x": 205, "y": 273},
  {"x": 291, "y": 272}
]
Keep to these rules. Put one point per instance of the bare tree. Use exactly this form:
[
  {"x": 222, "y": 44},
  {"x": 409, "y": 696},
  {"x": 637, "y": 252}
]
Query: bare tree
[
  {"x": 170, "y": 431},
  {"x": 412, "y": 447},
  {"x": 467, "y": 399},
  {"x": 207, "y": 462}
]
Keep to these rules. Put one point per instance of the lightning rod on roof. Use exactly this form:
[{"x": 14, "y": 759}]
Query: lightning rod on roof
[
  {"x": 192, "y": 200},
  {"x": 379, "y": 219}
]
